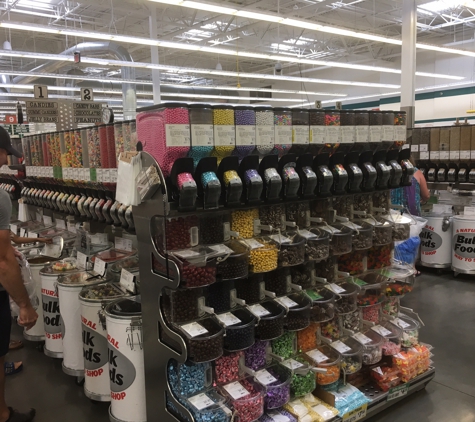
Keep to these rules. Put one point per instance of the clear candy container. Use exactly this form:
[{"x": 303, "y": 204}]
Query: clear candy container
[
  {"x": 203, "y": 338},
  {"x": 187, "y": 379},
  {"x": 271, "y": 322},
  {"x": 264, "y": 255},
  {"x": 383, "y": 233},
  {"x": 235, "y": 265},
  {"x": 372, "y": 344},
  {"x": 239, "y": 326},
  {"x": 303, "y": 379},
  {"x": 227, "y": 368},
  {"x": 343, "y": 206},
  {"x": 341, "y": 240},
  {"x": 208, "y": 406},
  {"x": 327, "y": 358},
  {"x": 351, "y": 353},
  {"x": 318, "y": 246},
  {"x": 346, "y": 295},
  {"x": 323, "y": 304},
  {"x": 278, "y": 281},
  {"x": 363, "y": 237},
  {"x": 410, "y": 329},
  {"x": 307, "y": 339},
  {"x": 392, "y": 337},
  {"x": 251, "y": 289},
  {"x": 246, "y": 397},
  {"x": 276, "y": 381},
  {"x": 291, "y": 252},
  {"x": 304, "y": 275},
  {"x": 182, "y": 305},
  {"x": 298, "y": 315}
]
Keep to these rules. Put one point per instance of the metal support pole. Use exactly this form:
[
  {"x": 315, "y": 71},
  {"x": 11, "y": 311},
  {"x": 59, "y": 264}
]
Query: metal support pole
[
  {"x": 408, "y": 59},
  {"x": 154, "y": 55}
]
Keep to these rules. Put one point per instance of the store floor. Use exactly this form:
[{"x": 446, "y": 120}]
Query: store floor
[{"x": 445, "y": 304}]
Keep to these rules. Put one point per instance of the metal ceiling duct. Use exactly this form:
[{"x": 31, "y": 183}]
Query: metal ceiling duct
[
  {"x": 129, "y": 94},
  {"x": 5, "y": 79}
]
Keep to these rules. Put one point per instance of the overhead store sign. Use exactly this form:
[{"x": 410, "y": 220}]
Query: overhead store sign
[
  {"x": 87, "y": 112},
  {"x": 42, "y": 111}
]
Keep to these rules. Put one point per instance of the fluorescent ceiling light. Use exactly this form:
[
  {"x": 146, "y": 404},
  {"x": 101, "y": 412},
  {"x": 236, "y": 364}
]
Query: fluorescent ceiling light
[
  {"x": 140, "y": 65},
  {"x": 299, "y": 23},
  {"x": 206, "y": 49}
]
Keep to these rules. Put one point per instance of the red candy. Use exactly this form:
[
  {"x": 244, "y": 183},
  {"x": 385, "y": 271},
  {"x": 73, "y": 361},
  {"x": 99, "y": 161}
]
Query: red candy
[
  {"x": 192, "y": 276},
  {"x": 103, "y": 147}
]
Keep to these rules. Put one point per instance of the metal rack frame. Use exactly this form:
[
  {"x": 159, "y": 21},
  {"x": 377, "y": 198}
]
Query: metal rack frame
[{"x": 156, "y": 352}]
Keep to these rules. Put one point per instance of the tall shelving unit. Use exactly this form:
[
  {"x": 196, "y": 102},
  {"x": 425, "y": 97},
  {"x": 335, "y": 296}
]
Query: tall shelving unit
[{"x": 162, "y": 344}]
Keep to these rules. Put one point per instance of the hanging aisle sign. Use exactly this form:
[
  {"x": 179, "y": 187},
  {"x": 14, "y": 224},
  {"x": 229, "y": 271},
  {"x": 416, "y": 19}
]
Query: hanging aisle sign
[
  {"x": 42, "y": 111},
  {"x": 87, "y": 112}
]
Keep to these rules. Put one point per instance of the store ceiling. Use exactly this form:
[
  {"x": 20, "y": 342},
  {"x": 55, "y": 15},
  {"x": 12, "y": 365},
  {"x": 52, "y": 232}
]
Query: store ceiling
[{"x": 442, "y": 23}]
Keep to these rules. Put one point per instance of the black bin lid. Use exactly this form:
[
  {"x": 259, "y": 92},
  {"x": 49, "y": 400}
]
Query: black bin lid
[{"x": 126, "y": 308}]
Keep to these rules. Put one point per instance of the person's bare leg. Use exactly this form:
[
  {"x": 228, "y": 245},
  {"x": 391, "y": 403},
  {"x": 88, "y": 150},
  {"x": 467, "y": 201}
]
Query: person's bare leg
[{"x": 4, "y": 411}]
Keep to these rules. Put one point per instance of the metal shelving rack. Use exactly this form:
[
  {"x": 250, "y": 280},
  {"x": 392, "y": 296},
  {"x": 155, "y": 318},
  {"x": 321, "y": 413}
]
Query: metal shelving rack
[{"x": 162, "y": 344}]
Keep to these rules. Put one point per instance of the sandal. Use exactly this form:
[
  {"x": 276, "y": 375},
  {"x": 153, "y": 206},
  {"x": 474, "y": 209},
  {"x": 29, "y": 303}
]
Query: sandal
[
  {"x": 9, "y": 368},
  {"x": 15, "y": 345}
]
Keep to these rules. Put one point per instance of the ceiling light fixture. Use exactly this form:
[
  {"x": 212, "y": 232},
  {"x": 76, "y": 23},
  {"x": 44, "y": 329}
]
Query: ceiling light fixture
[
  {"x": 300, "y": 23},
  {"x": 178, "y": 69},
  {"x": 206, "y": 49}
]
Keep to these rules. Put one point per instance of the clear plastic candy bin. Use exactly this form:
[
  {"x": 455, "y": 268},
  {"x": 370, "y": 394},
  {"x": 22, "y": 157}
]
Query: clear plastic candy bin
[
  {"x": 246, "y": 397},
  {"x": 323, "y": 304},
  {"x": 240, "y": 325},
  {"x": 327, "y": 358},
  {"x": 208, "y": 406},
  {"x": 187, "y": 379},
  {"x": 341, "y": 241},
  {"x": 271, "y": 323},
  {"x": 351, "y": 353},
  {"x": 292, "y": 249},
  {"x": 410, "y": 329},
  {"x": 276, "y": 381},
  {"x": 392, "y": 336},
  {"x": 204, "y": 339},
  {"x": 372, "y": 344},
  {"x": 318, "y": 246},
  {"x": 182, "y": 305},
  {"x": 235, "y": 265}
]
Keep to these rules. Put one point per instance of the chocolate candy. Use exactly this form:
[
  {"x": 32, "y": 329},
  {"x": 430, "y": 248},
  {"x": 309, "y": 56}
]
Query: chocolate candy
[
  {"x": 255, "y": 356},
  {"x": 298, "y": 213},
  {"x": 381, "y": 199},
  {"x": 326, "y": 269},
  {"x": 198, "y": 276},
  {"x": 251, "y": 289},
  {"x": 181, "y": 232},
  {"x": 401, "y": 232},
  {"x": 236, "y": 265},
  {"x": 240, "y": 336},
  {"x": 221, "y": 296},
  {"x": 363, "y": 202},
  {"x": 304, "y": 275},
  {"x": 273, "y": 215},
  {"x": 318, "y": 248},
  {"x": 285, "y": 345},
  {"x": 343, "y": 205},
  {"x": 182, "y": 305},
  {"x": 278, "y": 281},
  {"x": 292, "y": 253},
  {"x": 205, "y": 347},
  {"x": 363, "y": 238},
  {"x": 298, "y": 317},
  {"x": 350, "y": 320},
  {"x": 271, "y": 326},
  {"x": 382, "y": 235},
  {"x": 226, "y": 368},
  {"x": 212, "y": 227},
  {"x": 341, "y": 242}
]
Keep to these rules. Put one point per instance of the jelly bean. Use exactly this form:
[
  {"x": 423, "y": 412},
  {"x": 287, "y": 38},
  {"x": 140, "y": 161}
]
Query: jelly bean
[
  {"x": 223, "y": 116},
  {"x": 93, "y": 146},
  {"x": 242, "y": 221}
]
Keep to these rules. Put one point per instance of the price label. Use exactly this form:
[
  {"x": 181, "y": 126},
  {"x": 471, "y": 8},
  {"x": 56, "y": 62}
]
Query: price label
[
  {"x": 339, "y": 346},
  {"x": 356, "y": 414},
  {"x": 99, "y": 239},
  {"x": 317, "y": 356},
  {"x": 48, "y": 221},
  {"x": 100, "y": 266},
  {"x": 400, "y": 323},
  {"x": 359, "y": 282},
  {"x": 253, "y": 244},
  {"x": 381, "y": 330},
  {"x": 201, "y": 401},
  {"x": 259, "y": 310},
  {"x": 194, "y": 329},
  {"x": 399, "y": 391},
  {"x": 277, "y": 417},
  {"x": 469, "y": 211},
  {"x": 312, "y": 294},
  {"x": 61, "y": 224},
  {"x": 229, "y": 319},
  {"x": 265, "y": 377},
  {"x": 307, "y": 234},
  {"x": 113, "y": 175},
  {"x": 280, "y": 239},
  {"x": 236, "y": 390},
  {"x": 361, "y": 338},
  {"x": 71, "y": 227},
  {"x": 292, "y": 364},
  {"x": 81, "y": 260},
  {"x": 335, "y": 288},
  {"x": 123, "y": 244},
  {"x": 127, "y": 280},
  {"x": 286, "y": 302}
]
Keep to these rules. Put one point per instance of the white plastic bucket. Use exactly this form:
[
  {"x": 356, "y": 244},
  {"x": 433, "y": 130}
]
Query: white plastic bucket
[
  {"x": 436, "y": 242},
  {"x": 463, "y": 244},
  {"x": 126, "y": 361},
  {"x": 51, "y": 317},
  {"x": 95, "y": 349},
  {"x": 69, "y": 287},
  {"x": 73, "y": 361},
  {"x": 37, "y": 333}
]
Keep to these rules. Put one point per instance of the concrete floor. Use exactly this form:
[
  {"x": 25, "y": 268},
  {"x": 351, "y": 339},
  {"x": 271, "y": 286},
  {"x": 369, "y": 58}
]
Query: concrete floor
[{"x": 445, "y": 304}]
